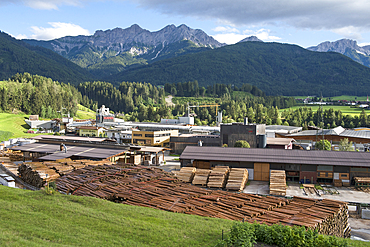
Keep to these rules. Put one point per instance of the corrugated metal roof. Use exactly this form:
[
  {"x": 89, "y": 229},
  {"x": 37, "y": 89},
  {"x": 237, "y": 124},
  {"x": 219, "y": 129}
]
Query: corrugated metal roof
[
  {"x": 54, "y": 151},
  {"x": 277, "y": 156}
]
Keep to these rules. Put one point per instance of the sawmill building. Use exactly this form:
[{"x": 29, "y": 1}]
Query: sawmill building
[{"x": 300, "y": 165}]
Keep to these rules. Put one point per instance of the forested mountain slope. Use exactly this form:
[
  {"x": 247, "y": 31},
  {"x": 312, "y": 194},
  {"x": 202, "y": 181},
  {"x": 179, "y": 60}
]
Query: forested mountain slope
[
  {"x": 19, "y": 57},
  {"x": 277, "y": 69}
]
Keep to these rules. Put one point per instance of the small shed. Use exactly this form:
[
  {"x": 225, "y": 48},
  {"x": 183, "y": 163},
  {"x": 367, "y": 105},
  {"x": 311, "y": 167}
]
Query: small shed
[{"x": 7, "y": 180}]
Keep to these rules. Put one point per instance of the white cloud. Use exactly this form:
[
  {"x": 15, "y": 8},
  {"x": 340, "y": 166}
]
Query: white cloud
[
  {"x": 43, "y": 4},
  {"x": 230, "y": 35},
  {"x": 57, "y": 30},
  {"x": 226, "y": 29},
  {"x": 301, "y": 14},
  {"x": 363, "y": 44},
  {"x": 349, "y": 32},
  {"x": 228, "y": 38},
  {"x": 21, "y": 36}
]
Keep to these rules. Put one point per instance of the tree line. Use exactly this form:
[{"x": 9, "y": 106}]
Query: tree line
[{"x": 33, "y": 94}]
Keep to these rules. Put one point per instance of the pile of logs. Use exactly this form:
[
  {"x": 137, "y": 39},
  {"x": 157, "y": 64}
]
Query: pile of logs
[
  {"x": 329, "y": 217},
  {"x": 217, "y": 177},
  {"x": 201, "y": 177},
  {"x": 38, "y": 173},
  {"x": 152, "y": 187},
  {"x": 186, "y": 174},
  {"x": 362, "y": 181},
  {"x": 277, "y": 182},
  {"x": 15, "y": 156},
  {"x": 238, "y": 178}
]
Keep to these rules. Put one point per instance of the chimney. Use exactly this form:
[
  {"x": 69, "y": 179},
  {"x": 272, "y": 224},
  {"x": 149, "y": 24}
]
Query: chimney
[{"x": 246, "y": 121}]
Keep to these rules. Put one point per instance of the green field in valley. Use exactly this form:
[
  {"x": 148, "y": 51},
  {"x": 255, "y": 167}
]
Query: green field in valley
[{"x": 346, "y": 110}]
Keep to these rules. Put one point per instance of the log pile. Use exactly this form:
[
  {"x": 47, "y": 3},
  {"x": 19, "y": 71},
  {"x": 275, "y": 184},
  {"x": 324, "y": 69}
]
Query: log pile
[
  {"x": 201, "y": 177},
  {"x": 329, "y": 217},
  {"x": 38, "y": 173},
  {"x": 362, "y": 182},
  {"x": 238, "y": 178},
  {"x": 186, "y": 174},
  {"x": 152, "y": 187},
  {"x": 277, "y": 182},
  {"x": 15, "y": 156},
  {"x": 217, "y": 177}
]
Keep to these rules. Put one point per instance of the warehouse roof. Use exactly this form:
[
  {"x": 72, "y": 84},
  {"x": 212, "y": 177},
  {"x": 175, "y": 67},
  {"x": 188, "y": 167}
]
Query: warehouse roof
[
  {"x": 279, "y": 141},
  {"x": 266, "y": 155},
  {"x": 54, "y": 153}
]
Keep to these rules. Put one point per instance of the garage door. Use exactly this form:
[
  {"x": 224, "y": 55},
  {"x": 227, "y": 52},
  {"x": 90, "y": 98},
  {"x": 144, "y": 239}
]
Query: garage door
[{"x": 262, "y": 171}]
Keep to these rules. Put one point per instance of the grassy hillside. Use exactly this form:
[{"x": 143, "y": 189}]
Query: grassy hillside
[
  {"x": 36, "y": 219},
  {"x": 17, "y": 57},
  {"x": 31, "y": 218},
  {"x": 15, "y": 124},
  {"x": 85, "y": 113},
  {"x": 276, "y": 69}
]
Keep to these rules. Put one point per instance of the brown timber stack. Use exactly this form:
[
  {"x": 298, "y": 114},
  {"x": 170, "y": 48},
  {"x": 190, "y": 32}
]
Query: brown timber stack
[
  {"x": 201, "y": 177},
  {"x": 238, "y": 178},
  {"x": 152, "y": 187},
  {"x": 217, "y": 177},
  {"x": 277, "y": 182},
  {"x": 186, "y": 174}
]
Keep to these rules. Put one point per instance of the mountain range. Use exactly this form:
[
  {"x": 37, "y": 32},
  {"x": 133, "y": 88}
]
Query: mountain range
[
  {"x": 108, "y": 52},
  {"x": 180, "y": 54},
  {"x": 347, "y": 47}
]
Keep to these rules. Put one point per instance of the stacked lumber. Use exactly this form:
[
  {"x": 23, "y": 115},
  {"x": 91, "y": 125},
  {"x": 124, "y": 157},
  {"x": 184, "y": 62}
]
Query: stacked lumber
[
  {"x": 362, "y": 181},
  {"x": 201, "y": 177},
  {"x": 277, "y": 182},
  {"x": 186, "y": 174},
  {"x": 151, "y": 187},
  {"x": 238, "y": 178},
  {"x": 15, "y": 156},
  {"x": 217, "y": 177}
]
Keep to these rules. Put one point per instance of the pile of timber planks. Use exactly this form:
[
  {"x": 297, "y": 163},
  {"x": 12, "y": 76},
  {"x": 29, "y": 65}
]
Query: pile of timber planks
[
  {"x": 152, "y": 187},
  {"x": 217, "y": 177},
  {"x": 186, "y": 174},
  {"x": 238, "y": 178},
  {"x": 201, "y": 177},
  {"x": 277, "y": 182}
]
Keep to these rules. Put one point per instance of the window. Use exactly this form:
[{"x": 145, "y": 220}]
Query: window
[
  {"x": 137, "y": 135},
  {"x": 149, "y": 135}
]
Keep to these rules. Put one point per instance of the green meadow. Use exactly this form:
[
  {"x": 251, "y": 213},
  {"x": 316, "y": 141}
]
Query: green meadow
[{"x": 346, "y": 110}]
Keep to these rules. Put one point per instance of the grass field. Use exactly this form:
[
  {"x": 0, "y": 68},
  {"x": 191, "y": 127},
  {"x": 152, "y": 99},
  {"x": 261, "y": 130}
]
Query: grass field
[
  {"x": 85, "y": 113},
  {"x": 15, "y": 124},
  {"x": 346, "y": 110},
  {"x": 36, "y": 219},
  {"x": 31, "y": 218}
]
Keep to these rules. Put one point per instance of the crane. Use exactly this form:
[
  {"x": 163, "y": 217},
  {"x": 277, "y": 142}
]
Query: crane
[{"x": 210, "y": 105}]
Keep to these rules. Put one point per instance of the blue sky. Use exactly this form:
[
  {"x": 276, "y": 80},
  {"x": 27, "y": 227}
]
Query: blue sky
[{"x": 302, "y": 22}]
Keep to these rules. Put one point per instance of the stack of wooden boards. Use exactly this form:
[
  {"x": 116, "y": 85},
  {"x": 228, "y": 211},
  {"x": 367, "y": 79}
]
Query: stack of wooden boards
[
  {"x": 201, "y": 177},
  {"x": 238, "y": 178},
  {"x": 152, "y": 187},
  {"x": 186, "y": 174},
  {"x": 218, "y": 176},
  {"x": 277, "y": 182},
  {"x": 362, "y": 182},
  {"x": 38, "y": 173}
]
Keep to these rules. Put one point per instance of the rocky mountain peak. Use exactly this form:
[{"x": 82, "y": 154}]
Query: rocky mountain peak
[{"x": 250, "y": 38}]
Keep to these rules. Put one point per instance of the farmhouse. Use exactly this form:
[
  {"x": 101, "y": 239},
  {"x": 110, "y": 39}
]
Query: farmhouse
[{"x": 300, "y": 165}]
